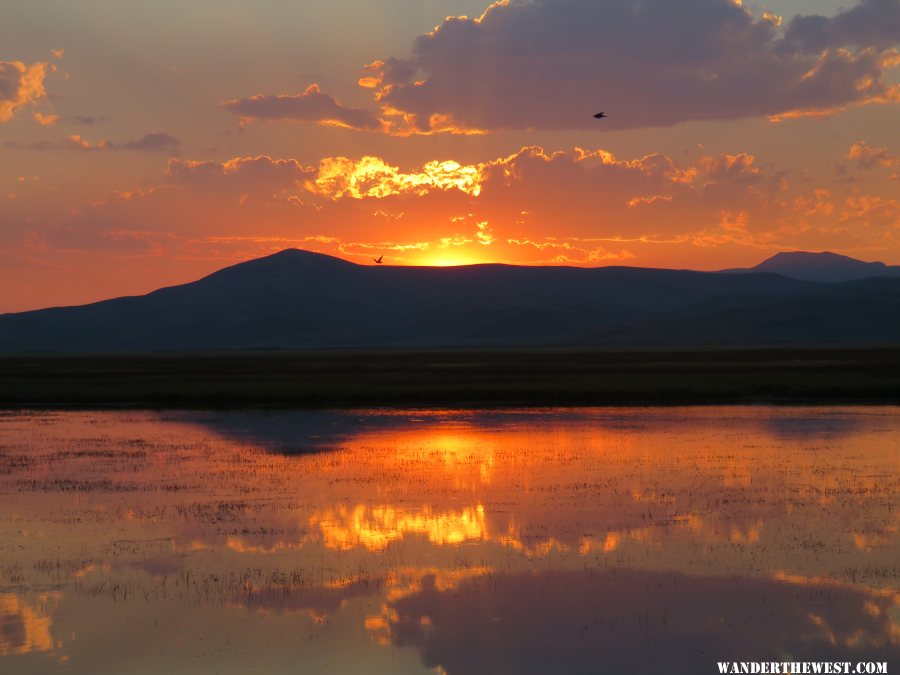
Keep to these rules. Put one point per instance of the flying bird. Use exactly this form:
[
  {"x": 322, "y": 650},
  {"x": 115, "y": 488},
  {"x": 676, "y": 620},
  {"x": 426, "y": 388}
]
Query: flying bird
[
  {"x": 600, "y": 115},
  {"x": 378, "y": 259}
]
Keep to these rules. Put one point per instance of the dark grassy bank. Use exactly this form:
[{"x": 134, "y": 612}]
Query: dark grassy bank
[{"x": 465, "y": 378}]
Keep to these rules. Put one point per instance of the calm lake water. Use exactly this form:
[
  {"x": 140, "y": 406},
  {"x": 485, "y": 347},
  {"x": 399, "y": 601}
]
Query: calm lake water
[{"x": 569, "y": 541}]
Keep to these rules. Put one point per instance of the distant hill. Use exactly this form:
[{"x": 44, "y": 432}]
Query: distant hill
[
  {"x": 826, "y": 267},
  {"x": 301, "y": 300}
]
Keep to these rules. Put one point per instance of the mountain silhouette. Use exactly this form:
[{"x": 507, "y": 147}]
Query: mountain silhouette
[
  {"x": 301, "y": 300},
  {"x": 826, "y": 267}
]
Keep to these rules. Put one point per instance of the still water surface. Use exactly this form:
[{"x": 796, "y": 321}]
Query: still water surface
[{"x": 453, "y": 541}]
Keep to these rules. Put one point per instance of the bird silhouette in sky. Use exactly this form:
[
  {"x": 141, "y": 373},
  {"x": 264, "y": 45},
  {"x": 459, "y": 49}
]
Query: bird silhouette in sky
[
  {"x": 600, "y": 115},
  {"x": 379, "y": 258}
]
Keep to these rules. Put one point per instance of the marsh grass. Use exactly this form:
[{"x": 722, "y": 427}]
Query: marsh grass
[{"x": 471, "y": 378}]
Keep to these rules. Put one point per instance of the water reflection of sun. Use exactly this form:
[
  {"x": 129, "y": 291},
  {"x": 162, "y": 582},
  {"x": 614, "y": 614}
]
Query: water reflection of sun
[{"x": 455, "y": 452}]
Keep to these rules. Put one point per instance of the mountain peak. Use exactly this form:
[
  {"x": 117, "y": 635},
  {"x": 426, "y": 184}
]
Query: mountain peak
[
  {"x": 822, "y": 259},
  {"x": 825, "y": 266},
  {"x": 301, "y": 254},
  {"x": 287, "y": 259}
]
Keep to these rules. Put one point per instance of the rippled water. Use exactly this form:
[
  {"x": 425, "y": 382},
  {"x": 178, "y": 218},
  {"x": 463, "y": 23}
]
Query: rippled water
[{"x": 595, "y": 540}]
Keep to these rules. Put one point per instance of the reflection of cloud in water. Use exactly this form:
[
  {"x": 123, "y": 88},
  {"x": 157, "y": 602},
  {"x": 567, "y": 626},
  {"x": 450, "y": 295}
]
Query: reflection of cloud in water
[
  {"x": 294, "y": 593},
  {"x": 25, "y": 623},
  {"x": 369, "y": 527},
  {"x": 638, "y": 622},
  {"x": 408, "y": 581},
  {"x": 374, "y": 527}
]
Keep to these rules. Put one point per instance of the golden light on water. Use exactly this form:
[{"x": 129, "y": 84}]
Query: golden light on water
[
  {"x": 375, "y": 527},
  {"x": 368, "y": 527}
]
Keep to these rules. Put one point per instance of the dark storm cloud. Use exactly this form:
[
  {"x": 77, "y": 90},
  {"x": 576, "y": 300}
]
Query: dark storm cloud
[
  {"x": 85, "y": 119},
  {"x": 872, "y": 23},
  {"x": 312, "y": 105},
  {"x": 156, "y": 141},
  {"x": 551, "y": 64}
]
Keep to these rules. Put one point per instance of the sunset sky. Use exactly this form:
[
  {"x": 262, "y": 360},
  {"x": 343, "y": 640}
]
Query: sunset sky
[{"x": 147, "y": 144}]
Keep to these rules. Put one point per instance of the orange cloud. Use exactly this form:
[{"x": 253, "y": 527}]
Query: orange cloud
[
  {"x": 871, "y": 210},
  {"x": 571, "y": 251},
  {"x": 583, "y": 207},
  {"x": 484, "y": 234},
  {"x": 400, "y": 123},
  {"x": 21, "y": 84},
  {"x": 888, "y": 96},
  {"x": 868, "y": 157},
  {"x": 731, "y": 229},
  {"x": 819, "y": 204},
  {"x": 46, "y": 120},
  {"x": 740, "y": 166},
  {"x": 373, "y": 177},
  {"x": 807, "y": 113},
  {"x": 372, "y": 77}
]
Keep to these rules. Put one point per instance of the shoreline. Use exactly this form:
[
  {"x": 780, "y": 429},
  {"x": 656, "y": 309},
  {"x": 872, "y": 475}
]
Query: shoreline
[{"x": 475, "y": 378}]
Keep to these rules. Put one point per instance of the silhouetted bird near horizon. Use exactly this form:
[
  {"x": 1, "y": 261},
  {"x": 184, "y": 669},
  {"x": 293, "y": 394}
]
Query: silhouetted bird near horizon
[
  {"x": 600, "y": 115},
  {"x": 378, "y": 259}
]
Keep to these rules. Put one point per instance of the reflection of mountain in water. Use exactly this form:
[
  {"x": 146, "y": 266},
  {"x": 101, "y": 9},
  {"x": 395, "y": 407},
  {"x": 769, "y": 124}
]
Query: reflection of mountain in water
[
  {"x": 629, "y": 621},
  {"x": 292, "y": 432},
  {"x": 303, "y": 431},
  {"x": 822, "y": 427},
  {"x": 287, "y": 432}
]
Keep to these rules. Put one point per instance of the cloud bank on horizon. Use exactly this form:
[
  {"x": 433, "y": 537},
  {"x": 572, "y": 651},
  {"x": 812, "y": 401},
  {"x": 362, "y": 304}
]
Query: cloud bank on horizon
[
  {"x": 532, "y": 206},
  {"x": 479, "y": 144}
]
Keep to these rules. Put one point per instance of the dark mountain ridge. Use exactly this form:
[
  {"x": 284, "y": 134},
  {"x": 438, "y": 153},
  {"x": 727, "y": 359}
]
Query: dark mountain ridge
[
  {"x": 824, "y": 267},
  {"x": 301, "y": 300}
]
